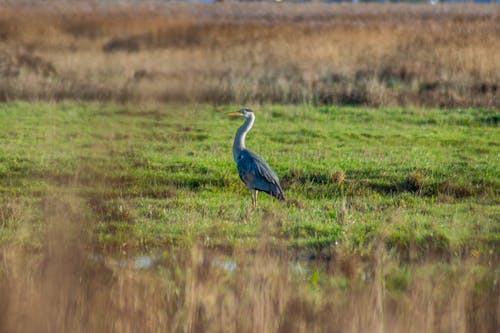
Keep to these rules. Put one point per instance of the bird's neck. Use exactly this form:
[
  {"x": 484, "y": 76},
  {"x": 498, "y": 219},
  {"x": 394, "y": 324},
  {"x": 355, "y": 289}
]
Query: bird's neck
[{"x": 239, "y": 139}]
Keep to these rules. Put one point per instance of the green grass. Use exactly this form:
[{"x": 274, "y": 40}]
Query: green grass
[{"x": 419, "y": 181}]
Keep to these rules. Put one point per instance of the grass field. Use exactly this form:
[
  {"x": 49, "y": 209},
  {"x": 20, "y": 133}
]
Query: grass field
[
  {"x": 155, "y": 176},
  {"x": 392, "y": 200}
]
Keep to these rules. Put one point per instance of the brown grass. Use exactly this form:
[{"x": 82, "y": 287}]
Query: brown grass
[
  {"x": 373, "y": 54},
  {"x": 64, "y": 288}
]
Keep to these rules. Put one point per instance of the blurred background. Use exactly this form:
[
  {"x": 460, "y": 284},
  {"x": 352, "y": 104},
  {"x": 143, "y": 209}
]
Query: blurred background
[{"x": 359, "y": 54}]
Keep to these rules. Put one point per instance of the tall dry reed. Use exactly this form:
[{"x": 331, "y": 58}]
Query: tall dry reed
[{"x": 66, "y": 287}]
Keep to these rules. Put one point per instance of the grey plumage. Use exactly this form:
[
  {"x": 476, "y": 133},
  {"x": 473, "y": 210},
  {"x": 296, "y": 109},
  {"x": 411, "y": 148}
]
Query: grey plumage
[
  {"x": 258, "y": 175},
  {"x": 253, "y": 170}
]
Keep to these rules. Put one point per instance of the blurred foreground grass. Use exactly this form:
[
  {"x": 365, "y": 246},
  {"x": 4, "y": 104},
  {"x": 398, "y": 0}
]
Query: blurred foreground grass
[{"x": 420, "y": 182}]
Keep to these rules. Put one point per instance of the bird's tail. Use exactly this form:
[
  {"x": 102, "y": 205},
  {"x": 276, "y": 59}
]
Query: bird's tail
[{"x": 278, "y": 194}]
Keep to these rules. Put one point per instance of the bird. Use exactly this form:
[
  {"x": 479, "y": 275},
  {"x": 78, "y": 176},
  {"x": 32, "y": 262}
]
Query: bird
[{"x": 252, "y": 169}]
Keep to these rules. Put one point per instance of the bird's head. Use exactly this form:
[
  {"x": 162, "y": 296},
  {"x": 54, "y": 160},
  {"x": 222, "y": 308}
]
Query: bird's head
[{"x": 243, "y": 112}]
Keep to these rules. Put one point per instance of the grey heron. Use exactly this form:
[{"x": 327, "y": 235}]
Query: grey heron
[{"x": 253, "y": 170}]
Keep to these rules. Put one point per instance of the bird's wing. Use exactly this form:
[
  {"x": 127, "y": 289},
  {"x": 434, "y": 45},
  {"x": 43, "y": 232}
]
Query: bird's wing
[
  {"x": 254, "y": 171},
  {"x": 251, "y": 163}
]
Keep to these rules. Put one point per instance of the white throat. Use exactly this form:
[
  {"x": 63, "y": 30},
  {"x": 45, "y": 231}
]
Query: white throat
[{"x": 239, "y": 139}]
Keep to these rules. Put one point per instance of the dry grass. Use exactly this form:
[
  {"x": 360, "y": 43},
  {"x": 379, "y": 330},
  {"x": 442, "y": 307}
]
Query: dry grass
[
  {"x": 65, "y": 289},
  {"x": 373, "y": 54}
]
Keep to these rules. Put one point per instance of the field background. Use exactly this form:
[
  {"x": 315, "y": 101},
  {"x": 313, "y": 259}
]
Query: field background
[
  {"x": 394, "y": 54},
  {"x": 121, "y": 208}
]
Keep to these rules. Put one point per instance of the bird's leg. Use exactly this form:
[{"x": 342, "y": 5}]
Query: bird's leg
[{"x": 254, "y": 198}]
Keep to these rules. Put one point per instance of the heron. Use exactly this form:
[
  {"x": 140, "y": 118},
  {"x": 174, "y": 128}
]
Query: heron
[{"x": 253, "y": 170}]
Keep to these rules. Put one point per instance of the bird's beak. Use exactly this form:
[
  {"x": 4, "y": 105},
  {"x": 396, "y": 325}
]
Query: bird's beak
[{"x": 233, "y": 114}]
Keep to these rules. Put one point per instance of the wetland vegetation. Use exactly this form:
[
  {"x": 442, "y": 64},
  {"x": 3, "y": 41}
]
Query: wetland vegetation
[
  {"x": 121, "y": 208},
  {"x": 384, "y": 206}
]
